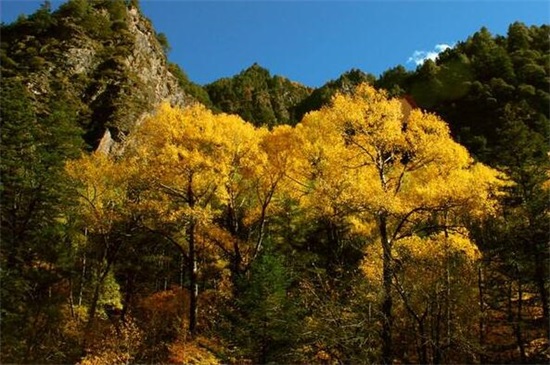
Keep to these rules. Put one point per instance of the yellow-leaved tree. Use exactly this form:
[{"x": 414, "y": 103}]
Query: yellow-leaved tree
[
  {"x": 258, "y": 161},
  {"x": 102, "y": 187},
  {"x": 205, "y": 181},
  {"x": 392, "y": 171},
  {"x": 182, "y": 160}
]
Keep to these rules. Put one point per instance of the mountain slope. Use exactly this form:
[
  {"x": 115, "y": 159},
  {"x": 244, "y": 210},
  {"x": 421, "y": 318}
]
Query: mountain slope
[
  {"x": 344, "y": 83},
  {"x": 483, "y": 84},
  {"x": 263, "y": 99},
  {"x": 104, "y": 57},
  {"x": 258, "y": 97}
]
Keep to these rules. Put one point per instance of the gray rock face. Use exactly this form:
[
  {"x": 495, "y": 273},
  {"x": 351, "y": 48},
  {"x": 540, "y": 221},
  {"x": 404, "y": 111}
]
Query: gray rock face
[
  {"x": 148, "y": 58},
  {"x": 107, "y": 62},
  {"x": 79, "y": 60},
  {"x": 152, "y": 83}
]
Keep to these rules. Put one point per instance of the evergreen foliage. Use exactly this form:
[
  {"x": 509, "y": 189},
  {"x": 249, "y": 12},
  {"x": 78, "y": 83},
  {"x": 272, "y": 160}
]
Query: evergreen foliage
[
  {"x": 194, "y": 90},
  {"x": 347, "y": 82},
  {"x": 36, "y": 249},
  {"x": 258, "y": 97},
  {"x": 268, "y": 321}
]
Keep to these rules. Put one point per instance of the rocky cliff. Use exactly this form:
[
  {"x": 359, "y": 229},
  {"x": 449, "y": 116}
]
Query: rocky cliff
[{"x": 102, "y": 57}]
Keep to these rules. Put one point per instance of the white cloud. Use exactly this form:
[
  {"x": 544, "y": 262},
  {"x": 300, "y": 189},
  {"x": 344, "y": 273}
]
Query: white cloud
[
  {"x": 418, "y": 57},
  {"x": 442, "y": 47}
]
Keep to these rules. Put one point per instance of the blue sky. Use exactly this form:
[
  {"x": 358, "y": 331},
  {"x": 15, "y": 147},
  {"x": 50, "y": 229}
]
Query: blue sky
[{"x": 314, "y": 41}]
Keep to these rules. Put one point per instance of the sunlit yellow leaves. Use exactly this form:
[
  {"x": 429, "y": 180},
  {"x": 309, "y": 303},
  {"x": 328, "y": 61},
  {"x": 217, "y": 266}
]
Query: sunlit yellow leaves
[
  {"x": 363, "y": 160},
  {"x": 363, "y": 153},
  {"x": 279, "y": 146},
  {"x": 193, "y": 158},
  {"x": 429, "y": 143},
  {"x": 199, "y": 166},
  {"x": 179, "y": 147},
  {"x": 396, "y": 177},
  {"x": 472, "y": 190},
  {"x": 369, "y": 122},
  {"x": 268, "y": 173},
  {"x": 429, "y": 252},
  {"x": 352, "y": 160},
  {"x": 438, "y": 247},
  {"x": 102, "y": 188},
  {"x": 362, "y": 227}
]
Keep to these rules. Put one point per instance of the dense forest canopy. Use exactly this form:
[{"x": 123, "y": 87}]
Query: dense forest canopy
[{"x": 147, "y": 219}]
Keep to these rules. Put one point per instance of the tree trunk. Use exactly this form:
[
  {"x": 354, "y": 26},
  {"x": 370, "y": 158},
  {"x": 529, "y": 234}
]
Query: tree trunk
[
  {"x": 481, "y": 287},
  {"x": 192, "y": 265},
  {"x": 448, "y": 301},
  {"x": 437, "y": 353},
  {"x": 128, "y": 296},
  {"x": 71, "y": 296},
  {"x": 541, "y": 281},
  {"x": 518, "y": 325},
  {"x": 261, "y": 230},
  {"x": 387, "y": 303},
  {"x": 93, "y": 306},
  {"x": 182, "y": 270},
  {"x": 82, "y": 280},
  {"x": 193, "y": 285},
  {"x": 93, "y": 309},
  {"x": 102, "y": 272},
  {"x": 423, "y": 351}
]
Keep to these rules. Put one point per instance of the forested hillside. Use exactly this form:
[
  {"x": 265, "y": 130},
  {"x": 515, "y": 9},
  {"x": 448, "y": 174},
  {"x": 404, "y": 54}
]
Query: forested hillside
[
  {"x": 262, "y": 99},
  {"x": 148, "y": 219},
  {"x": 484, "y": 85},
  {"x": 258, "y": 97}
]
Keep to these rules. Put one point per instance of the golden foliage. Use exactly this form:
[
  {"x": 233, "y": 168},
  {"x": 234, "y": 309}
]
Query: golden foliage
[
  {"x": 197, "y": 351},
  {"x": 118, "y": 345},
  {"x": 364, "y": 155},
  {"x": 166, "y": 304},
  {"x": 438, "y": 247},
  {"x": 102, "y": 188},
  {"x": 355, "y": 161},
  {"x": 362, "y": 159}
]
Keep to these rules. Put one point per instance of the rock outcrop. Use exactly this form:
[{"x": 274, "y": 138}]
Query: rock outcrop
[{"x": 103, "y": 57}]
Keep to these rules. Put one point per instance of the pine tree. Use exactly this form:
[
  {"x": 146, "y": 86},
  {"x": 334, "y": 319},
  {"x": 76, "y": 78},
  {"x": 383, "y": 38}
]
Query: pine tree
[{"x": 33, "y": 200}]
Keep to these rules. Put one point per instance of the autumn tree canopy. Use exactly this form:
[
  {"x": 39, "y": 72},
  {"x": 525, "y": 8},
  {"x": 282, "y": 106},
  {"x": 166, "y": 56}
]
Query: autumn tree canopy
[{"x": 374, "y": 162}]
